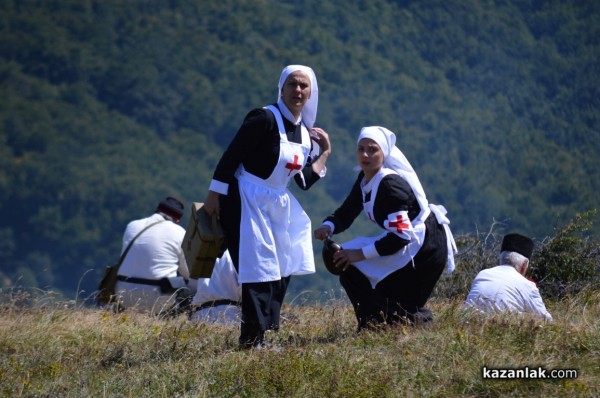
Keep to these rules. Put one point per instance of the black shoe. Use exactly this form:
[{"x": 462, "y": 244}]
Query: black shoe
[
  {"x": 422, "y": 317},
  {"x": 254, "y": 342}
]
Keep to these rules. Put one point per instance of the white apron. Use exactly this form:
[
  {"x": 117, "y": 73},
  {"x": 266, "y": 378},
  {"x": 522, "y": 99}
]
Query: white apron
[
  {"x": 275, "y": 232},
  {"x": 377, "y": 268}
]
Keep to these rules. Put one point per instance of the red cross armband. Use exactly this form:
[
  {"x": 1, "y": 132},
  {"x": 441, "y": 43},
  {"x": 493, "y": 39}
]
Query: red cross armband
[{"x": 400, "y": 224}]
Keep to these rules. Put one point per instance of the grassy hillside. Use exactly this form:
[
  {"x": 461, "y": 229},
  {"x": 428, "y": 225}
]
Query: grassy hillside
[
  {"x": 76, "y": 352},
  {"x": 108, "y": 106},
  {"x": 56, "y": 348}
]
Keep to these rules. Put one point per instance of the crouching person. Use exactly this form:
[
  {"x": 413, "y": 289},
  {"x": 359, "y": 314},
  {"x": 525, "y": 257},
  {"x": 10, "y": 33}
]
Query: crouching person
[
  {"x": 505, "y": 287},
  {"x": 389, "y": 277},
  {"x": 153, "y": 276}
]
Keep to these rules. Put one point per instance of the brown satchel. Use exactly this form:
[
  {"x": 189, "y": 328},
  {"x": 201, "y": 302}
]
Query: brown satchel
[{"x": 203, "y": 243}]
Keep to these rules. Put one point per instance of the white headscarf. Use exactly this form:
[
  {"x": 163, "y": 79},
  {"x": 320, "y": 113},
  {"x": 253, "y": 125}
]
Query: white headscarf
[
  {"x": 394, "y": 159},
  {"x": 309, "y": 112}
]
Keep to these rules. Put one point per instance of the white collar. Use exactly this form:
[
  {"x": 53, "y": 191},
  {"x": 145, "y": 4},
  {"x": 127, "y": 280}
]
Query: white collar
[{"x": 285, "y": 112}]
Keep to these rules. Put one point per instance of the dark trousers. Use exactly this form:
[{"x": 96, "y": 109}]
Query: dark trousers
[
  {"x": 401, "y": 296},
  {"x": 261, "y": 309},
  {"x": 261, "y": 301}
]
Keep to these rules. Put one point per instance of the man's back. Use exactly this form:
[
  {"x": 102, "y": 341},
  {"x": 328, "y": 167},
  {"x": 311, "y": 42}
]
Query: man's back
[
  {"x": 503, "y": 288},
  {"x": 157, "y": 252}
]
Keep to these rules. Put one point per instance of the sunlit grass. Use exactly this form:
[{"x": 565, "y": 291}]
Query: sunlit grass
[{"x": 64, "y": 351}]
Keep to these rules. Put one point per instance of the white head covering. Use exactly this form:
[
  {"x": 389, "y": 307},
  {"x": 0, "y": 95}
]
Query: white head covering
[
  {"x": 309, "y": 112},
  {"x": 394, "y": 159}
]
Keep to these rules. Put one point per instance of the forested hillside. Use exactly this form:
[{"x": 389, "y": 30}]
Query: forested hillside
[{"x": 107, "y": 106}]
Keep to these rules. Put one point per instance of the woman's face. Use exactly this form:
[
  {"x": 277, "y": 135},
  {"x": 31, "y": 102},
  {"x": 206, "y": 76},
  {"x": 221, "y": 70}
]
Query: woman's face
[
  {"x": 295, "y": 92},
  {"x": 369, "y": 157}
]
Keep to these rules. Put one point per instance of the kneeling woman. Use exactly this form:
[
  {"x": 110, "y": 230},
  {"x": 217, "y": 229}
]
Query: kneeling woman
[{"x": 390, "y": 277}]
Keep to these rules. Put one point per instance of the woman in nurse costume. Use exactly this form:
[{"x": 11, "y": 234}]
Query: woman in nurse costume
[
  {"x": 390, "y": 277},
  {"x": 268, "y": 233}
]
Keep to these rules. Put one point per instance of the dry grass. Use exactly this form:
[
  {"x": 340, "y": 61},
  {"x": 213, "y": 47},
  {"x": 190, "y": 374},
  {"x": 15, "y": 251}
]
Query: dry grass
[{"x": 59, "y": 351}]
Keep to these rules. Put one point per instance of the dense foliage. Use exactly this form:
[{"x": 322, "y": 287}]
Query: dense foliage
[
  {"x": 108, "y": 106},
  {"x": 569, "y": 261},
  {"x": 562, "y": 264}
]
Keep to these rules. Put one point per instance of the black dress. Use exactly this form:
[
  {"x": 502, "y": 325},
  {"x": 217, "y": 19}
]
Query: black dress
[
  {"x": 256, "y": 146},
  {"x": 401, "y": 296}
]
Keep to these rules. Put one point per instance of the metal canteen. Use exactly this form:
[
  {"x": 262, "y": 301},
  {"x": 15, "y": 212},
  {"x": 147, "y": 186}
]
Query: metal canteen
[{"x": 329, "y": 248}]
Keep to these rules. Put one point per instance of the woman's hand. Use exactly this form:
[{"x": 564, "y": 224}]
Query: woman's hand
[
  {"x": 323, "y": 232},
  {"x": 321, "y": 137},
  {"x": 345, "y": 258},
  {"x": 211, "y": 204}
]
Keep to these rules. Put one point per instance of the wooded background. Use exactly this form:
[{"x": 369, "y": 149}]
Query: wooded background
[{"x": 108, "y": 106}]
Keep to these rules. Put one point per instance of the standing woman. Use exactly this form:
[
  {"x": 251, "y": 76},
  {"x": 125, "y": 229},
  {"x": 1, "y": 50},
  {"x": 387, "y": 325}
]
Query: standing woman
[
  {"x": 268, "y": 232},
  {"x": 390, "y": 277}
]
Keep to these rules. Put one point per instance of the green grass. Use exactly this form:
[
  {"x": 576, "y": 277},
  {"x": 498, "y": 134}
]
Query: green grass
[{"x": 54, "y": 350}]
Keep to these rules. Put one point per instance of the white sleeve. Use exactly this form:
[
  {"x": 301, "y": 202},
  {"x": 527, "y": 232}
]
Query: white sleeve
[
  {"x": 537, "y": 304},
  {"x": 219, "y": 187}
]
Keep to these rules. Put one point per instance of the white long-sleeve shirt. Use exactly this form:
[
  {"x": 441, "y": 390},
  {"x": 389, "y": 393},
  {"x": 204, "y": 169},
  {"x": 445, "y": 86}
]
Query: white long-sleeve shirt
[
  {"x": 503, "y": 288},
  {"x": 157, "y": 252}
]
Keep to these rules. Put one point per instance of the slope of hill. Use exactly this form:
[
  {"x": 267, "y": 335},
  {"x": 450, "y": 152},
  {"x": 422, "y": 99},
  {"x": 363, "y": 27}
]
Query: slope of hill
[{"x": 107, "y": 106}]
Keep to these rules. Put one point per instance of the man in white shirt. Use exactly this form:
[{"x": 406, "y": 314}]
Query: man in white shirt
[
  {"x": 153, "y": 276},
  {"x": 505, "y": 287}
]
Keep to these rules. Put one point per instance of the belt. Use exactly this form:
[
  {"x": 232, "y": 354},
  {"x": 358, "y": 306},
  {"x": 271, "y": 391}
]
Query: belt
[
  {"x": 140, "y": 281},
  {"x": 165, "y": 285},
  {"x": 215, "y": 303}
]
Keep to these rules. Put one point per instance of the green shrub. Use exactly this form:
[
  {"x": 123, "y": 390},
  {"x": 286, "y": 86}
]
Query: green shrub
[
  {"x": 568, "y": 262},
  {"x": 561, "y": 265}
]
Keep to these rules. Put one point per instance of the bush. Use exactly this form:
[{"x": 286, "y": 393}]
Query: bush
[
  {"x": 568, "y": 262},
  {"x": 475, "y": 252},
  {"x": 561, "y": 265}
]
